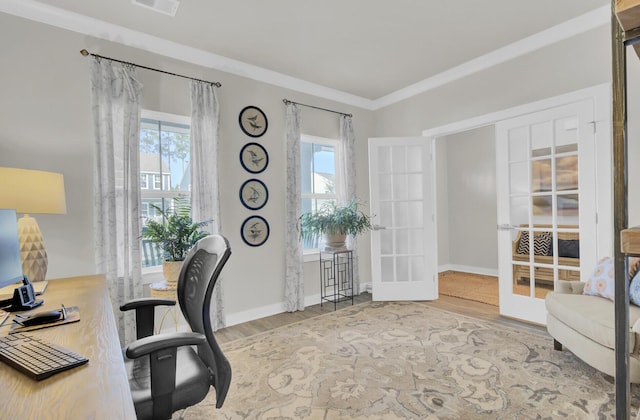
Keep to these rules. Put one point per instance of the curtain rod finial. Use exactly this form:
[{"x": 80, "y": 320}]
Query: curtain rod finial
[{"x": 84, "y": 52}]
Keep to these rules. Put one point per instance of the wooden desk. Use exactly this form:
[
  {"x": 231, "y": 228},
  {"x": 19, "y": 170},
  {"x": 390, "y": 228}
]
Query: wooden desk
[{"x": 97, "y": 390}]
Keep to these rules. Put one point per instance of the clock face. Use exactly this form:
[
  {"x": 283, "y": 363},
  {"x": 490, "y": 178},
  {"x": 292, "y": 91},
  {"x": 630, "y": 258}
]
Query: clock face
[{"x": 253, "y": 122}]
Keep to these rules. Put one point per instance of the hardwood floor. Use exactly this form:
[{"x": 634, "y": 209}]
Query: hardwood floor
[{"x": 457, "y": 305}]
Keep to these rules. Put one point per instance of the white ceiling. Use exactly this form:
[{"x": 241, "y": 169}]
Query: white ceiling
[{"x": 367, "y": 49}]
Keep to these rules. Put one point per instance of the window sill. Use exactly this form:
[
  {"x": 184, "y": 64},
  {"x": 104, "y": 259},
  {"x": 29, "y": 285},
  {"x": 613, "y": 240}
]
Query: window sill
[
  {"x": 152, "y": 274},
  {"x": 311, "y": 255}
]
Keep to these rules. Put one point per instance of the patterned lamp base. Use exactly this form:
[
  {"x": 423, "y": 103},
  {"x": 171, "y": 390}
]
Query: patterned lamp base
[{"x": 32, "y": 250}]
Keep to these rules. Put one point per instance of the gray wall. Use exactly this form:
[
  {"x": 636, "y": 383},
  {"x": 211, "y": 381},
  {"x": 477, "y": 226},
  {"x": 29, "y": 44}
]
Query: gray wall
[
  {"x": 469, "y": 191},
  {"x": 578, "y": 62},
  {"x": 442, "y": 204},
  {"x": 45, "y": 124}
]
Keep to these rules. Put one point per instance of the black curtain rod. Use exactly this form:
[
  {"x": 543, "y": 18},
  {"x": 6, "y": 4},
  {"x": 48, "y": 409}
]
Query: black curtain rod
[
  {"x": 86, "y": 53},
  {"x": 286, "y": 101}
]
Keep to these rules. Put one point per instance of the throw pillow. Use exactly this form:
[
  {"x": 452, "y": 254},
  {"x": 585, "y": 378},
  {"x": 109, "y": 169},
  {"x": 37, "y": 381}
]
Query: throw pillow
[
  {"x": 634, "y": 267},
  {"x": 634, "y": 290},
  {"x": 602, "y": 281},
  {"x": 541, "y": 243},
  {"x": 569, "y": 248}
]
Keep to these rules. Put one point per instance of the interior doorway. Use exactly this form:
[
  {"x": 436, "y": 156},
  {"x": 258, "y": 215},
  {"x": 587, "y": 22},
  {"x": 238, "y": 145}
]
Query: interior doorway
[
  {"x": 467, "y": 215},
  {"x": 599, "y": 97}
]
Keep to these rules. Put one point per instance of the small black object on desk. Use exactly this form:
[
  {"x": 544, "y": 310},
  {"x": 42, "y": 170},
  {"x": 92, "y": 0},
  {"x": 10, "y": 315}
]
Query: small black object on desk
[
  {"x": 40, "y": 318},
  {"x": 24, "y": 298}
]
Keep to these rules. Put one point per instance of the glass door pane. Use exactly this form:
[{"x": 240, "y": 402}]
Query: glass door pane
[{"x": 544, "y": 203}]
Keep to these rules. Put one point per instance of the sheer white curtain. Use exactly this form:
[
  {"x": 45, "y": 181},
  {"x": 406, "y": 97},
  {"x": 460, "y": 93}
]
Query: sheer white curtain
[
  {"x": 294, "y": 280},
  {"x": 347, "y": 183},
  {"x": 205, "y": 196},
  {"x": 115, "y": 100}
]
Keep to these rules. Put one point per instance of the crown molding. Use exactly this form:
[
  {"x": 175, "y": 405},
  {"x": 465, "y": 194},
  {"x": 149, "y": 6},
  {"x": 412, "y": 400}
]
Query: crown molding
[
  {"x": 75, "y": 22},
  {"x": 44, "y": 13},
  {"x": 591, "y": 20}
]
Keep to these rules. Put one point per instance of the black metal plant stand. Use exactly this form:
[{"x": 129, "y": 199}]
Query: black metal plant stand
[{"x": 336, "y": 276}]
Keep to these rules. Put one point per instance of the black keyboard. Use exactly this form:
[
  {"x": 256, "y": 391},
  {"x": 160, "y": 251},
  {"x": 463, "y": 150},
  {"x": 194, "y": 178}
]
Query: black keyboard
[{"x": 35, "y": 357}]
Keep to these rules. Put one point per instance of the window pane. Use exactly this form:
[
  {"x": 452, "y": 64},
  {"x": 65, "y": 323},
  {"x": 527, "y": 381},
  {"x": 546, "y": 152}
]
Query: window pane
[
  {"x": 318, "y": 177},
  {"x": 164, "y": 174},
  {"x": 567, "y": 173},
  {"x": 306, "y": 167},
  {"x": 307, "y": 205},
  {"x": 541, "y": 175},
  {"x": 324, "y": 169}
]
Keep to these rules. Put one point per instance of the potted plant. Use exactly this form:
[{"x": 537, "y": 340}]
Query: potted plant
[
  {"x": 175, "y": 234},
  {"x": 335, "y": 223}
]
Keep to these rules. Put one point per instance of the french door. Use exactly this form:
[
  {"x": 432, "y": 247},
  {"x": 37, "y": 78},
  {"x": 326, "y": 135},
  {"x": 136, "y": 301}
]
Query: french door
[
  {"x": 546, "y": 203},
  {"x": 403, "y": 254}
]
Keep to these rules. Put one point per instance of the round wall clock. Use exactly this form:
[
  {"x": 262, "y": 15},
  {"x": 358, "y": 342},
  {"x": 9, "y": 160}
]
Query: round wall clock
[
  {"x": 254, "y": 194},
  {"x": 254, "y": 158},
  {"x": 254, "y": 231},
  {"x": 253, "y": 121}
]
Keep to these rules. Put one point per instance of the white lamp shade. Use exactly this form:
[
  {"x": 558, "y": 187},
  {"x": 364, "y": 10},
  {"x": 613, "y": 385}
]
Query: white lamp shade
[
  {"x": 35, "y": 192},
  {"x": 29, "y": 191}
]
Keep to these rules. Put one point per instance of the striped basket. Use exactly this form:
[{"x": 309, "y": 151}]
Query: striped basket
[{"x": 163, "y": 290}]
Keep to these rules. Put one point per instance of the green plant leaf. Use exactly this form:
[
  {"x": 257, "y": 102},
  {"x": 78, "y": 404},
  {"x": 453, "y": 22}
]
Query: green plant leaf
[
  {"x": 333, "y": 219},
  {"x": 177, "y": 233}
]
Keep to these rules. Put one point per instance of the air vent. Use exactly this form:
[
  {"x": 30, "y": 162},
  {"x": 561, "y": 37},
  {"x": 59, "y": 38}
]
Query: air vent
[{"x": 168, "y": 7}]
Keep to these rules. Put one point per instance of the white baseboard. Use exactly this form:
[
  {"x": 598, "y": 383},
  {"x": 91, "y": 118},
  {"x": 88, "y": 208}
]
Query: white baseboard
[
  {"x": 445, "y": 267},
  {"x": 277, "y": 308},
  {"x": 469, "y": 269},
  {"x": 255, "y": 313}
]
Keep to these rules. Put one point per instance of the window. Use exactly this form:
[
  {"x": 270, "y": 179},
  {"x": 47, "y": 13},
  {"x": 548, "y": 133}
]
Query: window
[
  {"x": 144, "y": 182},
  {"x": 318, "y": 163},
  {"x": 164, "y": 168},
  {"x": 156, "y": 182}
]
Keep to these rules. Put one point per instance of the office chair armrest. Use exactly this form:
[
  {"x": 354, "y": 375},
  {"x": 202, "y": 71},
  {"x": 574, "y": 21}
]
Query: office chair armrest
[
  {"x": 158, "y": 342},
  {"x": 145, "y": 309},
  {"x": 144, "y": 302}
]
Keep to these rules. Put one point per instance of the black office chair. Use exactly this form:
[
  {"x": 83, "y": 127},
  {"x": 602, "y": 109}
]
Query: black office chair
[{"x": 157, "y": 387}]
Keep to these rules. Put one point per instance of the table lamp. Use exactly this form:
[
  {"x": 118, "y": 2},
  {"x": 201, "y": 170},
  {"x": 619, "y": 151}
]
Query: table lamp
[{"x": 36, "y": 192}]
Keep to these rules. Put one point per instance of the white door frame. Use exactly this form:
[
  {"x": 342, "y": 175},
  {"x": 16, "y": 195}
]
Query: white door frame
[{"x": 601, "y": 96}]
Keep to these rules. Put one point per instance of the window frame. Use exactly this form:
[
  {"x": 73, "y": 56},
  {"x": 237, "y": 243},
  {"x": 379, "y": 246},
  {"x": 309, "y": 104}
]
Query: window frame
[
  {"x": 151, "y": 273},
  {"x": 312, "y": 254}
]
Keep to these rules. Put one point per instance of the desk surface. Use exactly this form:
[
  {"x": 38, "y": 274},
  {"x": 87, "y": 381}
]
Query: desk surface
[{"x": 99, "y": 389}]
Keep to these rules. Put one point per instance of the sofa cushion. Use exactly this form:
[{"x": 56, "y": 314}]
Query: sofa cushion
[
  {"x": 602, "y": 280},
  {"x": 590, "y": 316},
  {"x": 541, "y": 243}
]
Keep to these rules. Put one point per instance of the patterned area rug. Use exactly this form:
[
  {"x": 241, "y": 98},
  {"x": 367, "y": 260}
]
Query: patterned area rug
[{"x": 406, "y": 360}]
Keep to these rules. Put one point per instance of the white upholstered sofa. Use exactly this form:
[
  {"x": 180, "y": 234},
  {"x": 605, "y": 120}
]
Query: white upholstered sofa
[{"x": 585, "y": 325}]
